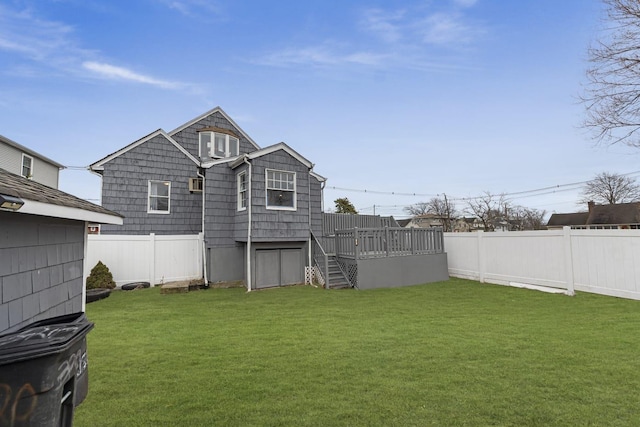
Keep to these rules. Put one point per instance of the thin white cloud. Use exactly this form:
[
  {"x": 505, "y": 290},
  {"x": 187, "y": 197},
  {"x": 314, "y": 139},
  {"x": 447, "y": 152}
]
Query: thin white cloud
[
  {"x": 119, "y": 73},
  {"x": 324, "y": 55},
  {"x": 443, "y": 28},
  {"x": 412, "y": 38},
  {"x": 383, "y": 23},
  {"x": 465, "y": 3},
  {"x": 193, "y": 8},
  {"x": 46, "y": 45}
]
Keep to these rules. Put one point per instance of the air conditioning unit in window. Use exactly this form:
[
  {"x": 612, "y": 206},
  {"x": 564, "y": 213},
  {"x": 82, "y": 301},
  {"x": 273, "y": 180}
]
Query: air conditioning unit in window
[{"x": 195, "y": 185}]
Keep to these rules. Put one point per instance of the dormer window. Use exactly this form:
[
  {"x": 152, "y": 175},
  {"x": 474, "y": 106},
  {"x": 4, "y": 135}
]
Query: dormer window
[
  {"x": 218, "y": 143},
  {"x": 27, "y": 166}
]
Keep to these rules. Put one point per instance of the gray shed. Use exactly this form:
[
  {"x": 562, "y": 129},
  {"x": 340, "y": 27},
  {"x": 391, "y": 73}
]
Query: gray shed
[{"x": 43, "y": 235}]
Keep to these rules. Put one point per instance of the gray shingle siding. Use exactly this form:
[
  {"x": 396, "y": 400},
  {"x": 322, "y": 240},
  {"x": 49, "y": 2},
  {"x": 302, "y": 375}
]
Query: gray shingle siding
[
  {"x": 279, "y": 225},
  {"x": 189, "y": 138},
  {"x": 220, "y": 206},
  {"x": 316, "y": 206},
  {"x": 41, "y": 267},
  {"x": 125, "y": 184}
]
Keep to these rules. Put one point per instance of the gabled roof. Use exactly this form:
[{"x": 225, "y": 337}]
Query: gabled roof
[
  {"x": 46, "y": 201},
  {"x": 208, "y": 113},
  {"x": 620, "y": 213},
  {"x": 568, "y": 219},
  {"x": 614, "y": 214},
  {"x": 29, "y": 151},
  {"x": 272, "y": 149},
  {"x": 99, "y": 165}
]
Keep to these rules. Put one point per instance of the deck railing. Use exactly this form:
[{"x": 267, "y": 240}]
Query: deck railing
[
  {"x": 321, "y": 260},
  {"x": 363, "y": 243}
]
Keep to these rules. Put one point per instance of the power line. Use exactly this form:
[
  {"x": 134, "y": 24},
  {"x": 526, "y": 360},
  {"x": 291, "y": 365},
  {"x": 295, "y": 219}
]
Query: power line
[{"x": 530, "y": 193}]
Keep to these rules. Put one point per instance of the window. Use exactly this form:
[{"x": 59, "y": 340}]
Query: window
[
  {"x": 281, "y": 190},
  {"x": 242, "y": 191},
  {"x": 218, "y": 145},
  {"x": 27, "y": 166},
  {"x": 159, "y": 197}
]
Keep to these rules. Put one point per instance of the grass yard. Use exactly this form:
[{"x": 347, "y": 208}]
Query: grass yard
[{"x": 451, "y": 353}]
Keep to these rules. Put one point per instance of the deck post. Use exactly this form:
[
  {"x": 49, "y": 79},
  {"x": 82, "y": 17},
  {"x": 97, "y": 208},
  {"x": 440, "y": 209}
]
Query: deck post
[
  {"x": 386, "y": 239},
  {"x": 413, "y": 241},
  {"x": 326, "y": 271},
  {"x": 356, "y": 249}
]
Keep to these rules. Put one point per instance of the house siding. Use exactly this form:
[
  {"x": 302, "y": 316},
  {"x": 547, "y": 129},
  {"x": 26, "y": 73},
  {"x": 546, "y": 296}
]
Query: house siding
[
  {"x": 279, "y": 225},
  {"x": 125, "y": 182},
  {"x": 43, "y": 172},
  {"x": 189, "y": 138},
  {"x": 316, "y": 206},
  {"x": 225, "y": 255},
  {"x": 41, "y": 266}
]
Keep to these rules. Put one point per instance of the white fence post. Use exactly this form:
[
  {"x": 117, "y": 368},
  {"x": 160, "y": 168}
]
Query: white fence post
[
  {"x": 481, "y": 263},
  {"x": 568, "y": 259},
  {"x": 152, "y": 259}
]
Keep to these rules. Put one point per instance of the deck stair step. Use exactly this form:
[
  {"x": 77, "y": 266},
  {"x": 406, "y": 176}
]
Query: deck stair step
[{"x": 336, "y": 277}]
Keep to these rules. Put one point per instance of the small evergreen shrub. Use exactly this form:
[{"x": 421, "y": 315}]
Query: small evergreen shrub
[{"x": 100, "y": 277}]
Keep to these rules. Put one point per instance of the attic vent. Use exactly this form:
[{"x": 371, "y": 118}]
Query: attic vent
[{"x": 195, "y": 185}]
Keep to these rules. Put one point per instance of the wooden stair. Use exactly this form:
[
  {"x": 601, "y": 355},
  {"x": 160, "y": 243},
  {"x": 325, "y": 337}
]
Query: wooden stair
[{"x": 336, "y": 278}]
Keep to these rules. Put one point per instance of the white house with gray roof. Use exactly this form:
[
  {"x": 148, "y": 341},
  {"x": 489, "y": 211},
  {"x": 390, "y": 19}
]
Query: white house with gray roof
[{"x": 18, "y": 159}]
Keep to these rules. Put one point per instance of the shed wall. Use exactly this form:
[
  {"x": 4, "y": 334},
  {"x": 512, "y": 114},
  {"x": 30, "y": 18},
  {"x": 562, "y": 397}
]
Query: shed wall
[{"x": 41, "y": 266}]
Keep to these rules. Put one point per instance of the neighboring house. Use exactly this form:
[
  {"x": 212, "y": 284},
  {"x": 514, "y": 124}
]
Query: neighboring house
[
  {"x": 403, "y": 222},
  {"x": 256, "y": 206},
  {"x": 22, "y": 161},
  {"x": 426, "y": 221},
  {"x": 614, "y": 216},
  {"x": 463, "y": 225},
  {"x": 43, "y": 234}
]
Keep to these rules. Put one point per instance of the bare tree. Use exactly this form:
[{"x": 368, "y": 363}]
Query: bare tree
[
  {"x": 612, "y": 96},
  {"x": 523, "y": 218},
  {"x": 487, "y": 208},
  {"x": 440, "y": 206},
  {"x": 610, "y": 188},
  {"x": 417, "y": 209},
  {"x": 445, "y": 209}
]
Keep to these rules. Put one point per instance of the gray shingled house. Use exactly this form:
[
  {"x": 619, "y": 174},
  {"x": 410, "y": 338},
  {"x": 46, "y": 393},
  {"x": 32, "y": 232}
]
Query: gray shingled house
[
  {"x": 43, "y": 234},
  {"x": 611, "y": 216},
  {"x": 256, "y": 206}
]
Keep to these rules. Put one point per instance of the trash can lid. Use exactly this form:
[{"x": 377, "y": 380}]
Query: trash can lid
[{"x": 46, "y": 337}]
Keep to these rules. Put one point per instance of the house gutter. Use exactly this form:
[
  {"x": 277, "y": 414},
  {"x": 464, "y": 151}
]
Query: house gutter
[
  {"x": 249, "y": 205},
  {"x": 204, "y": 243}
]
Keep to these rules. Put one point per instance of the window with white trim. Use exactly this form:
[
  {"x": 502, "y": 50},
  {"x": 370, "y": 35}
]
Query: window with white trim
[
  {"x": 281, "y": 190},
  {"x": 159, "y": 197},
  {"x": 27, "y": 166},
  {"x": 218, "y": 145},
  {"x": 242, "y": 191}
]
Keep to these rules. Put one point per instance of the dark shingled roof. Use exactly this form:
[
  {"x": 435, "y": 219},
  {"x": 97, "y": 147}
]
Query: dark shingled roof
[
  {"x": 18, "y": 186},
  {"x": 620, "y": 213},
  {"x": 560, "y": 220}
]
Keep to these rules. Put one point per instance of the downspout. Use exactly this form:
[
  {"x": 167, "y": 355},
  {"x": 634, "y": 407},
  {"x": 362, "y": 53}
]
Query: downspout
[
  {"x": 204, "y": 243},
  {"x": 309, "y": 210},
  {"x": 249, "y": 205}
]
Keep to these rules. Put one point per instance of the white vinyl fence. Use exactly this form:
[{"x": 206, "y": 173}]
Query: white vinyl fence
[
  {"x": 599, "y": 261},
  {"x": 150, "y": 258}
]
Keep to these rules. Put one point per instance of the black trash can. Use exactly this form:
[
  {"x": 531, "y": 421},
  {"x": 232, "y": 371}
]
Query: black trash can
[{"x": 43, "y": 372}]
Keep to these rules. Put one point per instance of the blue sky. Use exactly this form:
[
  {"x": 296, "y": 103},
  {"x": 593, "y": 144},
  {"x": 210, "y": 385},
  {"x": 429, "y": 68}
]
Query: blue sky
[{"x": 422, "y": 97}]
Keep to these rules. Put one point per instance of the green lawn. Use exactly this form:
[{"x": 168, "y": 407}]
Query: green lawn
[{"x": 451, "y": 353}]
